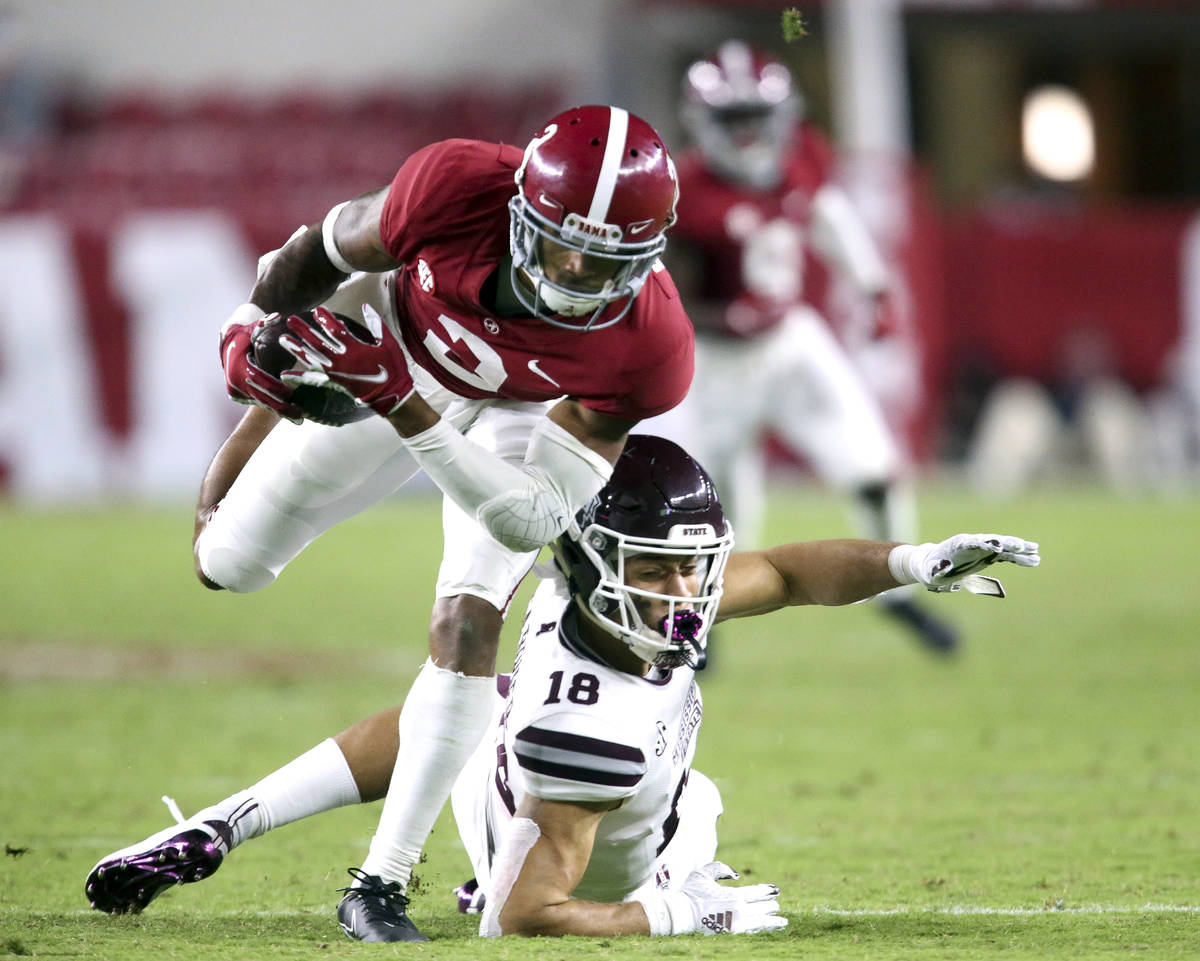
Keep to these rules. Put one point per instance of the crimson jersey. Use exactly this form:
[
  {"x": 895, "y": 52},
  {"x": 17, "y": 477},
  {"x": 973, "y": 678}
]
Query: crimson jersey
[
  {"x": 752, "y": 245},
  {"x": 446, "y": 220}
]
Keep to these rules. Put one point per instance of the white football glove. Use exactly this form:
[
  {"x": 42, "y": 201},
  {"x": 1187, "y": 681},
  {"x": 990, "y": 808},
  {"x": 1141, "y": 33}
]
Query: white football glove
[
  {"x": 720, "y": 909},
  {"x": 701, "y": 904},
  {"x": 952, "y": 564}
]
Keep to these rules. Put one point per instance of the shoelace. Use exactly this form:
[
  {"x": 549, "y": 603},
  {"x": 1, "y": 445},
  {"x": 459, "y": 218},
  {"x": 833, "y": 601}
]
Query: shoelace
[
  {"x": 392, "y": 900},
  {"x": 173, "y": 807}
]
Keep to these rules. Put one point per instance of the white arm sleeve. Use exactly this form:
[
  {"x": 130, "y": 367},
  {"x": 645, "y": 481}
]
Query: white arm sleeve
[
  {"x": 516, "y": 842},
  {"x": 841, "y": 236},
  {"x": 522, "y": 506}
]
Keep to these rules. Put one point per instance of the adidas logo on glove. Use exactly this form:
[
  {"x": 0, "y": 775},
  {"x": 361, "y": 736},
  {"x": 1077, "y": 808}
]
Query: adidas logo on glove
[{"x": 719, "y": 923}]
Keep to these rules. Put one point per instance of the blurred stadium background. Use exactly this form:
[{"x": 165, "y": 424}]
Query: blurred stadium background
[
  {"x": 1034, "y": 798},
  {"x": 1032, "y": 167}
]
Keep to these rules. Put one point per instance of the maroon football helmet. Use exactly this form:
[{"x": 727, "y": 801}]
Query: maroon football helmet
[
  {"x": 659, "y": 501},
  {"x": 596, "y": 190},
  {"x": 740, "y": 108}
]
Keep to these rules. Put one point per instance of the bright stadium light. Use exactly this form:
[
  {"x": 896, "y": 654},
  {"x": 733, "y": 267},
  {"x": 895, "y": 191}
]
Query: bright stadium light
[{"x": 1058, "y": 136}]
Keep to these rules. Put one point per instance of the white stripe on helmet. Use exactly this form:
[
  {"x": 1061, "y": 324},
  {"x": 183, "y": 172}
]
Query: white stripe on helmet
[{"x": 610, "y": 166}]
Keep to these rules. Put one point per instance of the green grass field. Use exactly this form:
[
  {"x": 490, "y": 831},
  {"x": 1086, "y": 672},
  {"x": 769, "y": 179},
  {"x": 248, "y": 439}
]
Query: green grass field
[{"x": 1037, "y": 797}]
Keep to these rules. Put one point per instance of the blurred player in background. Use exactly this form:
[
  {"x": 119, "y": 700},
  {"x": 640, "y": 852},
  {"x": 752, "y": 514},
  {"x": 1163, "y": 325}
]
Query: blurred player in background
[
  {"x": 521, "y": 324},
  {"x": 582, "y": 814},
  {"x": 757, "y": 201}
]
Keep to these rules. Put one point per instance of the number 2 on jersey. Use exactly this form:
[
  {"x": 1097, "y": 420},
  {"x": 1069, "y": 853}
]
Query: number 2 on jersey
[{"x": 467, "y": 356}]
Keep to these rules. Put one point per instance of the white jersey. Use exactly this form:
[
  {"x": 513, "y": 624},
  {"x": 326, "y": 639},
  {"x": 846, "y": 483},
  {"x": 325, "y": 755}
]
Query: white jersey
[{"x": 574, "y": 729}]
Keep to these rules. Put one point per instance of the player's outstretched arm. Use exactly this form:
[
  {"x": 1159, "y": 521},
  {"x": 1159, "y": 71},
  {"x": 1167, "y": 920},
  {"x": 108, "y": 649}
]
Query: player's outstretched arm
[
  {"x": 828, "y": 572},
  {"x": 837, "y": 572}
]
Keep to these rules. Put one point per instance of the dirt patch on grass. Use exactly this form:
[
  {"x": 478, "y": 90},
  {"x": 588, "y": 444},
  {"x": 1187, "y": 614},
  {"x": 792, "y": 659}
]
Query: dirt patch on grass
[{"x": 23, "y": 662}]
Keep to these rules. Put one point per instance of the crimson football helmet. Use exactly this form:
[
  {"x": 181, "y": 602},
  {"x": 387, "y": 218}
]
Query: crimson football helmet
[
  {"x": 596, "y": 190},
  {"x": 741, "y": 108},
  {"x": 658, "y": 501}
]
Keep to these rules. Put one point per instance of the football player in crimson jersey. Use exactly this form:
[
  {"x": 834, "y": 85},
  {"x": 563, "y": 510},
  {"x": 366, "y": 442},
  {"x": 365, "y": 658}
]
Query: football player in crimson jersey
[
  {"x": 757, "y": 203},
  {"x": 582, "y": 814},
  {"x": 523, "y": 324}
]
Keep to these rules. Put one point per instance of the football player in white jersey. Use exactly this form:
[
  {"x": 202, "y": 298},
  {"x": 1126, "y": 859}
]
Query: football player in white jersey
[{"x": 582, "y": 814}]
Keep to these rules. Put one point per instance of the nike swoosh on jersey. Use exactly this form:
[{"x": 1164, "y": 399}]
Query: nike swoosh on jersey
[
  {"x": 533, "y": 365},
  {"x": 377, "y": 378}
]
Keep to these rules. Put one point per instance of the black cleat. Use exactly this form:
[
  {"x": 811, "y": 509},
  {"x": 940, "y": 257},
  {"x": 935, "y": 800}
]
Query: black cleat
[
  {"x": 128, "y": 880},
  {"x": 375, "y": 910},
  {"x": 933, "y": 633}
]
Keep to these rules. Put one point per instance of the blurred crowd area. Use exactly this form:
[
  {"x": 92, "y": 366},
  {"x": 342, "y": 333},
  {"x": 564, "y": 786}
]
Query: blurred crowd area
[
  {"x": 1056, "y": 321},
  {"x": 272, "y": 161}
]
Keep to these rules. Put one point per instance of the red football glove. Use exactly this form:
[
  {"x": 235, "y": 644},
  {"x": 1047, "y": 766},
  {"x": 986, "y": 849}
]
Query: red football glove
[
  {"x": 245, "y": 381},
  {"x": 375, "y": 374}
]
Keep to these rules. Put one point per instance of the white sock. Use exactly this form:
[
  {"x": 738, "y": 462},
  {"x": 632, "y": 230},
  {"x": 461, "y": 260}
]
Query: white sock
[
  {"x": 318, "y": 780},
  {"x": 445, "y": 716}
]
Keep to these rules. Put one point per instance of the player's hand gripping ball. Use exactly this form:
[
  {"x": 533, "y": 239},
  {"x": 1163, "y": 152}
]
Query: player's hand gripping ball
[{"x": 325, "y": 405}]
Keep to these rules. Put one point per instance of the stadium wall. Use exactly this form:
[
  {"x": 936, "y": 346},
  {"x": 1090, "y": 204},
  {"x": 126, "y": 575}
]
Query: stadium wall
[
  {"x": 261, "y": 45},
  {"x": 136, "y": 227}
]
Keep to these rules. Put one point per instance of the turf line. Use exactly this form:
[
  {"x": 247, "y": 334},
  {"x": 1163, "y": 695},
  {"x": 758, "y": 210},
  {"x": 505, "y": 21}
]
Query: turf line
[
  {"x": 969, "y": 910},
  {"x": 960, "y": 910}
]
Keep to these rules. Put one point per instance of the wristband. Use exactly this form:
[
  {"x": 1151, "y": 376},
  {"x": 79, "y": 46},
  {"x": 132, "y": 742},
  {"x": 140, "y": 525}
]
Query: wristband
[
  {"x": 245, "y": 315},
  {"x": 331, "y": 250},
  {"x": 904, "y": 562},
  {"x": 669, "y": 912}
]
